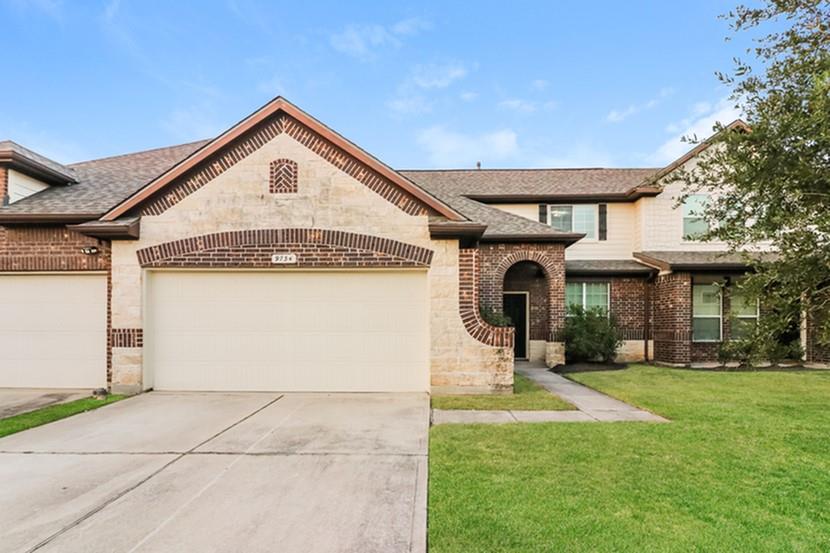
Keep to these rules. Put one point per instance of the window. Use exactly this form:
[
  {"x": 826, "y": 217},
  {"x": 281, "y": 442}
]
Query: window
[
  {"x": 587, "y": 295},
  {"x": 694, "y": 225},
  {"x": 744, "y": 314},
  {"x": 574, "y": 218},
  {"x": 706, "y": 313}
]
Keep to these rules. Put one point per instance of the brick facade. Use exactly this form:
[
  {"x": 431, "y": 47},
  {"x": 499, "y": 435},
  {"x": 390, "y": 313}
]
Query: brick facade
[
  {"x": 127, "y": 337},
  {"x": 50, "y": 248},
  {"x": 469, "y": 274},
  {"x": 312, "y": 247},
  {"x": 813, "y": 351},
  {"x": 496, "y": 261},
  {"x": 283, "y": 178},
  {"x": 628, "y": 305},
  {"x": 255, "y": 139},
  {"x": 672, "y": 313}
]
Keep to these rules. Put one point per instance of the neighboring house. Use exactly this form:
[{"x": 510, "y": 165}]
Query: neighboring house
[{"x": 280, "y": 256}]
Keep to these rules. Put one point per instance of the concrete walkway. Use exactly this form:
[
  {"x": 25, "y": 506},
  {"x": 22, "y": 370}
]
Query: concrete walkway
[{"x": 593, "y": 406}]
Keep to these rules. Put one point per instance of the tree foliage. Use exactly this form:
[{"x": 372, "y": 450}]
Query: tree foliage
[
  {"x": 772, "y": 180},
  {"x": 590, "y": 335}
]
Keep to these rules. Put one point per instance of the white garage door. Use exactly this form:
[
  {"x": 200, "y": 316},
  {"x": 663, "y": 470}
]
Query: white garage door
[
  {"x": 288, "y": 331},
  {"x": 53, "y": 331}
]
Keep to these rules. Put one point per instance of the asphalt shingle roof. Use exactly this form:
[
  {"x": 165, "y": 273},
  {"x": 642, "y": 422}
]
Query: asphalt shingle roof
[
  {"x": 54, "y": 166},
  {"x": 702, "y": 259},
  {"x": 103, "y": 183},
  {"x": 618, "y": 266},
  {"x": 559, "y": 182}
]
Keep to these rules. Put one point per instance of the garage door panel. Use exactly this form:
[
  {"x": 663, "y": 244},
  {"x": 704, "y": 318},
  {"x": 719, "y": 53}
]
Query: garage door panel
[
  {"x": 291, "y": 331},
  {"x": 53, "y": 330}
]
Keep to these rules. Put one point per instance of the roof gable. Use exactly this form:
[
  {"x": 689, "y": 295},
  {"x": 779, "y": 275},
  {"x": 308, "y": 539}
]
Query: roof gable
[{"x": 276, "y": 117}]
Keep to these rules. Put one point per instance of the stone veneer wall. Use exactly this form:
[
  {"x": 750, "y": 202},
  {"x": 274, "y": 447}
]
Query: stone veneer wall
[{"x": 238, "y": 199}]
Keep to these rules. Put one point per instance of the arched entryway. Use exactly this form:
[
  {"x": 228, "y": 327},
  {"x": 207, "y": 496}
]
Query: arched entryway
[{"x": 526, "y": 297}]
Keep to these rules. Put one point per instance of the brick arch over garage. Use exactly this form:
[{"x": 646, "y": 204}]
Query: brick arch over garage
[
  {"x": 497, "y": 259},
  {"x": 312, "y": 247}
]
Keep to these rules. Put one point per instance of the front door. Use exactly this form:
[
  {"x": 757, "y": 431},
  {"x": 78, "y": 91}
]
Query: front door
[{"x": 515, "y": 307}]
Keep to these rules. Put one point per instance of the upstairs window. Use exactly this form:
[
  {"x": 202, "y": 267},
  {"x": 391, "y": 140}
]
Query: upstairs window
[
  {"x": 574, "y": 218},
  {"x": 706, "y": 313},
  {"x": 587, "y": 295},
  {"x": 694, "y": 224},
  {"x": 743, "y": 314}
]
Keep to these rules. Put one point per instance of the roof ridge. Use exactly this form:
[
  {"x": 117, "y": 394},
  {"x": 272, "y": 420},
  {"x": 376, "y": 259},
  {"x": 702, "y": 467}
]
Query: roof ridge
[{"x": 149, "y": 150}]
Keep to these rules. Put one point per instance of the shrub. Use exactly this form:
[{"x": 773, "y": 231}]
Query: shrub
[
  {"x": 590, "y": 335},
  {"x": 493, "y": 317}
]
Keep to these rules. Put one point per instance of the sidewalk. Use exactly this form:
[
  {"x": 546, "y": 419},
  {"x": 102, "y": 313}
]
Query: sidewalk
[{"x": 593, "y": 406}]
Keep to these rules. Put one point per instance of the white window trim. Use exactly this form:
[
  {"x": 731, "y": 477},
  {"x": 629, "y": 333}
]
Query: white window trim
[
  {"x": 582, "y": 283},
  {"x": 683, "y": 236},
  {"x": 719, "y": 316},
  {"x": 596, "y": 219}
]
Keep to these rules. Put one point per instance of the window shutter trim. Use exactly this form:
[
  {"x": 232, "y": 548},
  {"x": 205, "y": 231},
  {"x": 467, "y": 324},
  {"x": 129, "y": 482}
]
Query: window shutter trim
[
  {"x": 603, "y": 221},
  {"x": 543, "y": 213}
]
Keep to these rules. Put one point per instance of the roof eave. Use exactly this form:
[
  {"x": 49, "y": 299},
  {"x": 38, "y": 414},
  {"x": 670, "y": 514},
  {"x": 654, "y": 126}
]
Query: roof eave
[
  {"x": 567, "y": 238},
  {"x": 18, "y": 162},
  {"x": 45, "y": 218},
  {"x": 125, "y": 230},
  {"x": 452, "y": 229},
  {"x": 634, "y": 194}
]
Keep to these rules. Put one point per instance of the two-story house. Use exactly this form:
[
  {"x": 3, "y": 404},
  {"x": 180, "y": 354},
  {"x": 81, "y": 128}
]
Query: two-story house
[{"x": 281, "y": 256}]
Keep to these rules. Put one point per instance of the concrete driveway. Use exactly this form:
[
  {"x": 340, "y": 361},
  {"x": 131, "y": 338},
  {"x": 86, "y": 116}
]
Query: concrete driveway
[{"x": 222, "y": 472}]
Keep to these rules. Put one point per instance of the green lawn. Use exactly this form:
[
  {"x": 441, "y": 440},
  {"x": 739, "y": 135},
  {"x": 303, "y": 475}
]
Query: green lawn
[
  {"x": 526, "y": 396},
  {"x": 743, "y": 466},
  {"x": 24, "y": 421}
]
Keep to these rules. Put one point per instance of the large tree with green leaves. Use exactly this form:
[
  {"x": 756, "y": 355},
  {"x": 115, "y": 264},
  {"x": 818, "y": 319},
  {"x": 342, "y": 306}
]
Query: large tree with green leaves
[{"x": 773, "y": 180}]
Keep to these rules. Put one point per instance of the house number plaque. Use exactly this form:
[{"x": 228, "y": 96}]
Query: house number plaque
[{"x": 284, "y": 258}]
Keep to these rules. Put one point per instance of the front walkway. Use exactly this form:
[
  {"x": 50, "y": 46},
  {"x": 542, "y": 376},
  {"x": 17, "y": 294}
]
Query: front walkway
[{"x": 593, "y": 406}]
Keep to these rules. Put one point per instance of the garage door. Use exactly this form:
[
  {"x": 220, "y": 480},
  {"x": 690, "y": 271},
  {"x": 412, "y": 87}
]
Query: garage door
[
  {"x": 53, "y": 331},
  {"x": 288, "y": 331}
]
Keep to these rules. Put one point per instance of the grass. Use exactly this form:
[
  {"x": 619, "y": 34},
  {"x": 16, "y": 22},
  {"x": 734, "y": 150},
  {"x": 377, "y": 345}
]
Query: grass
[
  {"x": 526, "y": 396},
  {"x": 24, "y": 421},
  {"x": 743, "y": 466}
]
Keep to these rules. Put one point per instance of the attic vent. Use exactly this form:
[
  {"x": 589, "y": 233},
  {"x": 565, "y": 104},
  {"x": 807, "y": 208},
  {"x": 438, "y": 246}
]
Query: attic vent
[{"x": 283, "y": 178}]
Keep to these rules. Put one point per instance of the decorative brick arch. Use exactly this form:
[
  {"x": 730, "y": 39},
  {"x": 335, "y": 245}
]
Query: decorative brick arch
[
  {"x": 312, "y": 248},
  {"x": 497, "y": 259},
  {"x": 468, "y": 304}
]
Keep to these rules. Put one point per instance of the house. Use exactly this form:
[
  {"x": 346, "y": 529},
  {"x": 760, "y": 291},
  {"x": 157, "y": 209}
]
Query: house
[{"x": 281, "y": 256}]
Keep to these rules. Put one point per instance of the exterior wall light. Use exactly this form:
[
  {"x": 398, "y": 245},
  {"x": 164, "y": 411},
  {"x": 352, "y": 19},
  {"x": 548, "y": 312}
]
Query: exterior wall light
[{"x": 89, "y": 250}]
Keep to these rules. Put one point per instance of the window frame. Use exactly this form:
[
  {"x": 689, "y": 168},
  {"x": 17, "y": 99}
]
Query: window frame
[
  {"x": 687, "y": 237},
  {"x": 719, "y": 316},
  {"x": 755, "y": 318},
  {"x": 584, "y": 294},
  {"x": 595, "y": 209}
]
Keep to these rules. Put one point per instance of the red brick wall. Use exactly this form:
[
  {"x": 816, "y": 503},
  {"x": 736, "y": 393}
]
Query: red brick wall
[
  {"x": 496, "y": 260},
  {"x": 628, "y": 305},
  {"x": 52, "y": 248},
  {"x": 469, "y": 276},
  {"x": 814, "y": 352},
  {"x": 672, "y": 305}
]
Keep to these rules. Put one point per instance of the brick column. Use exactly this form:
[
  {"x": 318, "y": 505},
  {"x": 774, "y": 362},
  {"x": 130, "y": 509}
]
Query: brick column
[
  {"x": 4, "y": 186},
  {"x": 673, "y": 318}
]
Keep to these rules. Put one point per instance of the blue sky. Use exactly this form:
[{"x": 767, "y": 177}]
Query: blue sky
[{"x": 424, "y": 84}]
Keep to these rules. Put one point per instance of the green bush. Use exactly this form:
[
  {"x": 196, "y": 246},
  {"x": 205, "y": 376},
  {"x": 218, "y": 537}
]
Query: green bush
[
  {"x": 590, "y": 335},
  {"x": 493, "y": 317}
]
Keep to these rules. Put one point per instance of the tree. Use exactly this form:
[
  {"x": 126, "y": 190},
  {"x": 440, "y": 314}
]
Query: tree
[{"x": 773, "y": 179}]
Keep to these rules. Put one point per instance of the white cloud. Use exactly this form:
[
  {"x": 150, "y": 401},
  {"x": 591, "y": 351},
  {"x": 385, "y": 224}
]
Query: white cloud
[
  {"x": 437, "y": 75},
  {"x": 447, "y": 148},
  {"x": 539, "y": 84},
  {"x": 620, "y": 115},
  {"x": 526, "y": 106},
  {"x": 468, "y": 96},
  {"x": 699, "y": 125},
  {"x": 364, "y": 41},
  {"x": 408, "y": 105}
]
